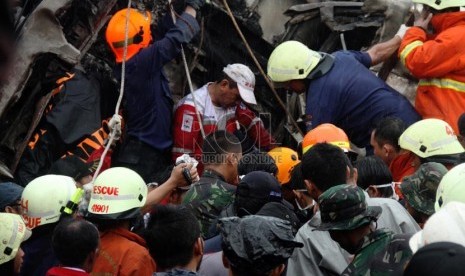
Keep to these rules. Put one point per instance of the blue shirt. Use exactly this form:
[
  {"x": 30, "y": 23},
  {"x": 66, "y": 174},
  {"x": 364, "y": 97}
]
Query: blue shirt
[
  {"x": 148, "y": 99},
  {"x": 351, "y": 97}
]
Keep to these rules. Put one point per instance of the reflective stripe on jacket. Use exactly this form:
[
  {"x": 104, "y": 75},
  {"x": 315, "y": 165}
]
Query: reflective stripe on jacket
[{"x": 439, "y": 62}]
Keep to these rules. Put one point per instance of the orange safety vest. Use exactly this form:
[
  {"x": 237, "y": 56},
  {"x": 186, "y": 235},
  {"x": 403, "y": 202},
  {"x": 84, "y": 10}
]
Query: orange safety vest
[{"x": 439, "y": 62}]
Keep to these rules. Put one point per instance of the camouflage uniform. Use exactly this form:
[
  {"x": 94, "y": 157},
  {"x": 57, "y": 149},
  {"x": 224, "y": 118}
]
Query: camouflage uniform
[
  {"x": 420, "y": 188},
  {"x": 382, "y": 252},
  {"x": 207, "y": 198}
]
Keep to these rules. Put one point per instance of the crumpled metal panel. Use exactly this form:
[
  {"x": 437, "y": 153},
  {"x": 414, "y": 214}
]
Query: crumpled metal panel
[{"x": 42, "y": 33}]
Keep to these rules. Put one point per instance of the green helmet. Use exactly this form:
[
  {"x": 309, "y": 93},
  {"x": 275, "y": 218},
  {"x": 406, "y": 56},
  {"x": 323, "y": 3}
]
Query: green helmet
[
  {"x": 451, "y": 187},
  {"x": 430, "y": 137},
  {"x": 291, "y": 60},
  {"x": 441, "y": 4}
]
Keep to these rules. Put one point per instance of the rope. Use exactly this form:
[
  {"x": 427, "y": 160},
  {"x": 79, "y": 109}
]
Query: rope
[
  {"x": 281, "y": 103},
  {"x": 188, "y": 75}
]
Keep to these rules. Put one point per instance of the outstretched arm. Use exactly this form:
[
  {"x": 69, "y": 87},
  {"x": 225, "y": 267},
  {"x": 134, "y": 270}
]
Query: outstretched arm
[{"x": 382, "y": 51}]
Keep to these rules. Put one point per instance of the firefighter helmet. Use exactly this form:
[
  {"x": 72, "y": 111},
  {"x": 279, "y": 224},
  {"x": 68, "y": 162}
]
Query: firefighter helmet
[
  {"x": 13, "y": 231},
  {"x": 139, "y": 35},
  {"x": 44, "y": 198},
  {"x": 430, "y": 137},
  {"x": 326, "y": 133},
  {"x": 441, "y": 4},
  {"x": 118, "y": 193},
  {"x": 451, "y": 187},
  {"x": 292, "y": 60},
  {"x": 286, "y": 159}
]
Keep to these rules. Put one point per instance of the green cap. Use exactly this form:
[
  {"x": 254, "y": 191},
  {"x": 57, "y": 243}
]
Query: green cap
[
  {"x": 420, "y": 188},
  {"x": 344, "y": 207}
]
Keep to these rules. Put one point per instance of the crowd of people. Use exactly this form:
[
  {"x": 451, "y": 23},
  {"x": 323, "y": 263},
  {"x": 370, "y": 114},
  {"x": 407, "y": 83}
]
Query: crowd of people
[{"x": 203, "y": 188}]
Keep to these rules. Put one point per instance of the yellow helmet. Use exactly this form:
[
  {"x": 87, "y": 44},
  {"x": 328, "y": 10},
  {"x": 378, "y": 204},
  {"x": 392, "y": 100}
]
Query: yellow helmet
[
  {"x": 44, "y": 198},
  {"x": 13, "y": 231},
  {"x": 291, "y": 60},
  {"x": 451, "y": 188},
  {"x": 286, "y": 159},
  {"x": 430, "y": 137},
  {"x": 139, "y": 35},
  {"x": 118, "y": 193},
  {"x": 326, "y": 133},
  {"x": 441, "y": 4}
]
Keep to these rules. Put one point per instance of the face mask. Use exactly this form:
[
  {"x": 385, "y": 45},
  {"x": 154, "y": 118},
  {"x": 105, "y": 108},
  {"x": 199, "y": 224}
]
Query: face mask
[
  {"x": 394, "y": 195},
  {"x": 298, "y": 204}
]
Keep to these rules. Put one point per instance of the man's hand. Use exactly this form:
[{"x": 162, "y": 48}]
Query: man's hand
[
  {"x": 422, "y": 20},
  {"x": 179, "y": 172},
  {"x": 196, "y": 4}
]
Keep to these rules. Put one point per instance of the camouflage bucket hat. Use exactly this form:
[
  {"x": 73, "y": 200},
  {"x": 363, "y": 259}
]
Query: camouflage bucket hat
[
  {"x": 420, "y": 188},
  {"x": 343, "y": 207}
]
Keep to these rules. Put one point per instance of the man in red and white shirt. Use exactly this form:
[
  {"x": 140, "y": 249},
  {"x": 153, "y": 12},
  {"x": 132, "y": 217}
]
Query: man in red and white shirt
[{"x": 222, "y": 105}]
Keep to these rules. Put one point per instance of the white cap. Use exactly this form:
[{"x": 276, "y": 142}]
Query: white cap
[
  {"x": 447, "y": 225},
  {"x": 245, "y": 79}
]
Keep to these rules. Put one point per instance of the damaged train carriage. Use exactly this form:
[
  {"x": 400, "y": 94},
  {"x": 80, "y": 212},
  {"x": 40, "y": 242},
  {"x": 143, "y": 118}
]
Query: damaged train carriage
[{"x": 63, "y": 41}]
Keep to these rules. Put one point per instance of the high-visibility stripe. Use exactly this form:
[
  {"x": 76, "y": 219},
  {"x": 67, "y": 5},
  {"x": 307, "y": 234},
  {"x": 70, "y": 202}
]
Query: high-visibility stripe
[
  {"x": 409, "y": 48},
  {"x": 444, "y": 83},
  {"x": 181, "y": 150}
]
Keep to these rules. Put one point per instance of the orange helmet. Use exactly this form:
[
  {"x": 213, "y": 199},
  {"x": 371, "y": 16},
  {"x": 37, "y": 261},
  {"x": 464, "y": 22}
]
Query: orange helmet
[
  {"x": 286, "y": 159},
  {"x": 326, "y": 133},
  {"x": 139, "y": 35}
]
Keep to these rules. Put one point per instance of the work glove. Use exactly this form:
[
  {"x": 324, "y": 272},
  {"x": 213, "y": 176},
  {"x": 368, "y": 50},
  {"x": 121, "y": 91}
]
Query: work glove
[
  {"x": 196, "y": 4},
  {"x": 402, "y": 30}
]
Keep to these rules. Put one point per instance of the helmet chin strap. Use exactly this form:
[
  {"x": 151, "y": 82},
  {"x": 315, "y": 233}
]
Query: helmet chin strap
[{"x": 323, "y": 67}]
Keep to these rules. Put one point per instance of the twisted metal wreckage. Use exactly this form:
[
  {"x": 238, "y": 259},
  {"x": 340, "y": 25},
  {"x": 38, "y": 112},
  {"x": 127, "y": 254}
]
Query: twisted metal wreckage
[{"x": 56, "y": 35}]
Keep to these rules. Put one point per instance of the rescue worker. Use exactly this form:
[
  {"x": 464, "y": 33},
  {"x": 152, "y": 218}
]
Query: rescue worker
[
  {"x": 217, "y": 186},
  {"x": 222, "y": 105},
  {"x": 75, "y": 243},
  {"x": 325, "y": 166},
  {"x": 435, "y": 59},
  {"x": 446, "y": 225},
  {"x": 429, "y": 140},
  {"x": 340, "y": 87},
  {"x": 148, "y": 100},
  {"x": 246, "y": 252},
  {"x": 13, "y": 232},
  {"x": 174, "y": 241},
  {"x": 419, "y": 190},
  {"x": 351, "y": 223},
  {"x": 10, "y": 198},
  {"x": 42, "y": 202},
  {"x": 451, "y": 187},
  {"x": 374, "y": 177},
  {"x": 287, "y": 160},
  {"x": 117, "y": 197},
  {"x": 385, "y": 138}
]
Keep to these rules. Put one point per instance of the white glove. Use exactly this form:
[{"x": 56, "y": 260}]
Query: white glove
[
  {"x": 402, "y": 30},
  {"x": 115, "y": 125}
]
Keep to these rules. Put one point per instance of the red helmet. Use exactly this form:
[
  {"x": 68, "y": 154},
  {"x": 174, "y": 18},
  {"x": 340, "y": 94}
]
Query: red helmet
[{"x": 139, "y": 35}]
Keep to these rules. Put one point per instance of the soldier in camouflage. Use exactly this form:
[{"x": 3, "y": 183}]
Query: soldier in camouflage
[
  {"x": 419, "y": 190},
  {"x": 350, "y": 222},
  {"x": 221, "y": 152}
]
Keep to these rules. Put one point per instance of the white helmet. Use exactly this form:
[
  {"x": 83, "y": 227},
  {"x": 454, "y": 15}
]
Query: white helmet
[
  {"x": 44, "y": 198},
  {"x": 13, "y": 231},
  {"x": 451, "y": 188},
  {"x": 430, "y": 137},
  {"x": 441, "y": 4},
  {"x": 447, "y": 225},
  {"x": 291, "y": 60},
  {"x": 118, "y": 193}
]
